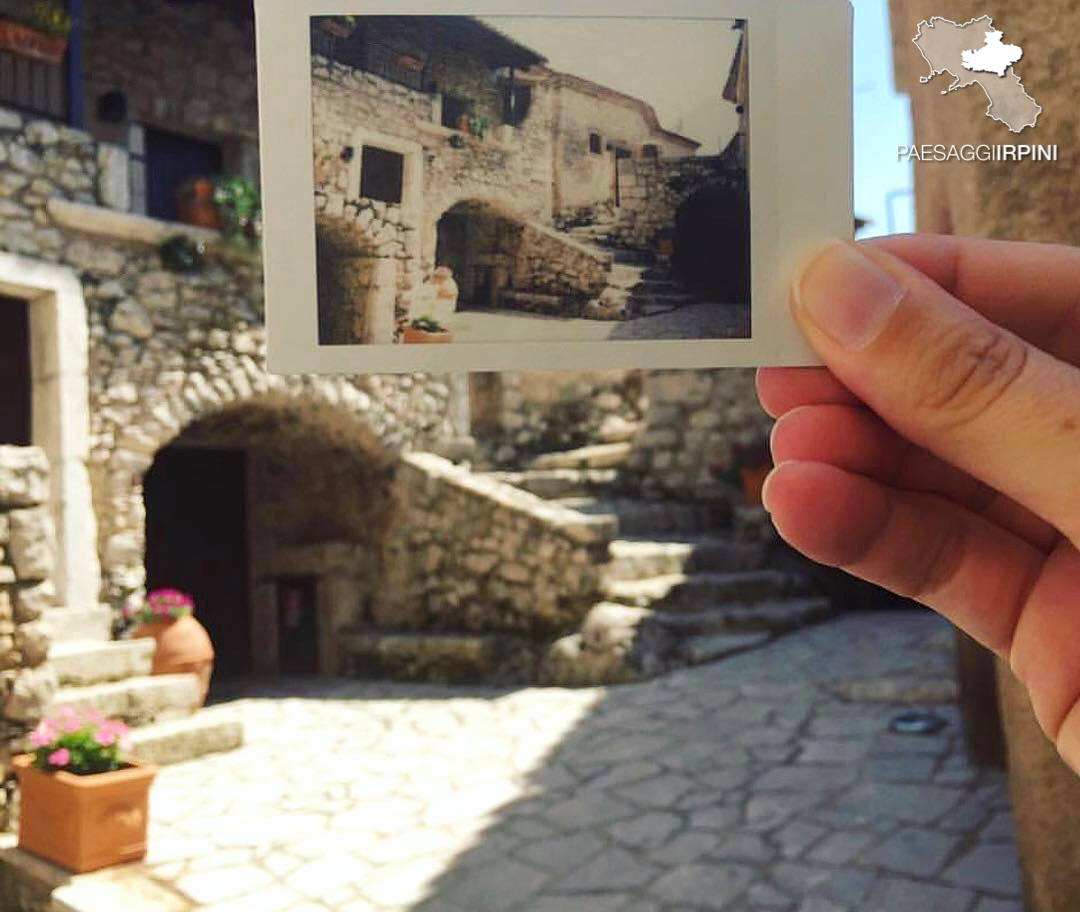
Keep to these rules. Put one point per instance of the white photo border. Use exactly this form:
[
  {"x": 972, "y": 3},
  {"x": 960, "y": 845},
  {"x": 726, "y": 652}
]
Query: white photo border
[{"x": 800, "y": 176}]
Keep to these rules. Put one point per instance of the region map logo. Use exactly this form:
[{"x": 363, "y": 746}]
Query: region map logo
[{"x": 973, "y": 54}]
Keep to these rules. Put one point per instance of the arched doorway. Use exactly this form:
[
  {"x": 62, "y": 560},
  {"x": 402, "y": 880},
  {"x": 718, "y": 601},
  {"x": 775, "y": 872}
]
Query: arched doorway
[
  {"x": 479, "y": 245},
  {"x": 270, "y": 513},
  {"x": 712, "y": 244}
]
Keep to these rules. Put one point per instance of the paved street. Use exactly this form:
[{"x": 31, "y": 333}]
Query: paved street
[
  {"x": 703, "y": 320},
  {"x": 756, "y": 783}
]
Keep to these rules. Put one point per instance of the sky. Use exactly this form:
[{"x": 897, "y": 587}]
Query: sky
[
  {"x": 688, "y": 64},
  {"x": 883, "y": 186}
]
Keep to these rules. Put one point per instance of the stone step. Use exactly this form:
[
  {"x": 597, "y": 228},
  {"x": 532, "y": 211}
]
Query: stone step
[
  {"x": 532, "y": 302},
  {"x": 87, "y": 662},
  {"x": 137, "y": 701},
  {"x": 93, "y": 624},
  {"x": 710, "y": 647},
  {"x": 453, "y": 657},
  {"x": 635, "y": 257},
  {"x": 681, "y": 592},
  {"x": 663, "y": 299},
  {"x": 770, "y": 616},
  {"x": 598, "y": 456},
  {"x": 177, "y": 740},
  {"x": 644, "y": 518},
  {"x": 555, "y": 483},
  {"x": 635, "y": 559}
]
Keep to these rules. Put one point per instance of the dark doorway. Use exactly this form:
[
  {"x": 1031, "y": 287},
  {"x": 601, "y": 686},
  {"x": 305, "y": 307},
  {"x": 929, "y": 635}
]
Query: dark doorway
[
  {"x": 171, "y": 161},
  {"x": 196, "y": 541},
  {"x": 712, "y": 244},
  {"x": 15, "y": 377},
  {"x": 298, "y": 631}
]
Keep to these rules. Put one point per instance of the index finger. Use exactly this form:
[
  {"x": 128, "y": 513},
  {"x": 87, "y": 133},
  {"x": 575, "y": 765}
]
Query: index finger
[{"x": 1031, "y": 289}]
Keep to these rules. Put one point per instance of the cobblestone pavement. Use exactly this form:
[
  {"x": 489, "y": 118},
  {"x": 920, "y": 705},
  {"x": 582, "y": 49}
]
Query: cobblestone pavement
[
  {"x": 756, "y": 783},
  {"x": 703, "y": 320}
]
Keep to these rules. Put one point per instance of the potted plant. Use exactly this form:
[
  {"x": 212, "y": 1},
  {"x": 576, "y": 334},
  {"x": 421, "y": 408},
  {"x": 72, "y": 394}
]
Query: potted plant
[
  {"x": 239, "y": 205},
  {"x": 83, "y": 806},
  {"x": 478, "y": 125},
  {"x": 183, "y": 646},
  {"x": 195, "y": 204},
  {"x": 341, "y": 26},
  {"x": 410, "y": 62},
  {"x": 426, "y": 330},
  {"x": 41, "y": 33}
]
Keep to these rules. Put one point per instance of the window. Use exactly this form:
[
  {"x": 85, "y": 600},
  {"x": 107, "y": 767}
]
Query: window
[
  {"x": 596, "y": 144},
  {"x": 516, "y": 104},
  {"x": 453, "y": 109},
  {"x": 33, "y": 86},
  {"x": 171, "y": 160},
  {"x": 650, "y": 151},
  {"x": 382, "y": 174}
]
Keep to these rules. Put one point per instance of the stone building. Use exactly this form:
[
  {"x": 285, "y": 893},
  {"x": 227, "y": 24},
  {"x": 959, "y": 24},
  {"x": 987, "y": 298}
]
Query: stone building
[
  {"x": 316, "y": 520},
  {"x": 440, "y": 142}
]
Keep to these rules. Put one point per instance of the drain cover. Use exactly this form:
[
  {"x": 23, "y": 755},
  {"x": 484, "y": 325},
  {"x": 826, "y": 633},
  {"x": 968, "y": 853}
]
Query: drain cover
[{"x": 916, "y": 722}]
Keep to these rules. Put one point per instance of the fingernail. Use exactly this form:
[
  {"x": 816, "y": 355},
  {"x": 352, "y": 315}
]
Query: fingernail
[
  {"x": 847, "y": 295},
  {"x": 765, "y": 491}
]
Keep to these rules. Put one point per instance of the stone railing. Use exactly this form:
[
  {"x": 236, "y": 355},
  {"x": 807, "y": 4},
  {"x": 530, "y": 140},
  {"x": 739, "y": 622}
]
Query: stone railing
[
  {"x": 27, "y": 553},
  {"x": 554, "y": 263},
  {"x": 469, "y": 552}
]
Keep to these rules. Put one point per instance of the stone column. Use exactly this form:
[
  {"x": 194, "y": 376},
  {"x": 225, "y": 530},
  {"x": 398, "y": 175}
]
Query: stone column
[{"x": 1021, "y": 201}]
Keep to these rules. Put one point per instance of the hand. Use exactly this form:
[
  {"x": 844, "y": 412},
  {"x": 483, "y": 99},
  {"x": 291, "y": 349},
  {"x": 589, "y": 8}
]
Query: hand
[{"x": 938, "y": 454}]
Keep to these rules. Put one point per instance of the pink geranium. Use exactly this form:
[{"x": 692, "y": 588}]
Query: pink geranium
[
  {"x": 60, "y": 757},
  {"x": 43, "y": 735}
]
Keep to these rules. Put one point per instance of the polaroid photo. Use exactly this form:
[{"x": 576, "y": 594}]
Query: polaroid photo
[{"x": 451, "y": 187}]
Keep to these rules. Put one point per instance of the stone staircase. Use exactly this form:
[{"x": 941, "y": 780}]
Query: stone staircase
[
  {"x": 683, "y": 583},
  {"x": 680, "y": 587},
  {"x": 113, "y": 677},
  {"x": 636, "y": 286}
]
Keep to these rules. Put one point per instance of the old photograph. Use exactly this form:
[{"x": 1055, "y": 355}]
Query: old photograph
[{"x": 530, "y": 179}]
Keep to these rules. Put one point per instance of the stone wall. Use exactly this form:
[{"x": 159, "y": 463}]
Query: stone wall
[
  {"x": 550, "y": 263},
  {"x": 27, "y": 553},
  {"x": 165, "y": 348},
  {"x": 694, "y": 421},
  {"x": 467, "y": 552},
  {"x": 654, "y": 189},
  {"x": 185, "y": 67},
  {"x": 517, "y": 415}
]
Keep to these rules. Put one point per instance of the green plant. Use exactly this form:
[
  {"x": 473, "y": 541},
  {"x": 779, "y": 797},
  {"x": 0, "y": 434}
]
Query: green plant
[
  {"x": 478, "y": 125},
  {"x": 160, "y": 605},
  {"x": 427, "y": 324},
  {"x": 50, "y": 17},
  {"x": 81, "y": 743},
  {"x": 240, "y": 204},
  {"x": 181, "y": 253}
]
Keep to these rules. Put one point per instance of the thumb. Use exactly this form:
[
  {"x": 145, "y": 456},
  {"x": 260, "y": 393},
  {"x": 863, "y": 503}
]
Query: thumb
[{"x": 947, "y": 378}]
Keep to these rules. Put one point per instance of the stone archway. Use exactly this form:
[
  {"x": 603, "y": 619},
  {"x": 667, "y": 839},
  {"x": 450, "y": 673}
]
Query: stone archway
[
  {"x": 712, "y": 243},
  {"x": 270, "y": 512},
  {"x": 479, "y": 241}
]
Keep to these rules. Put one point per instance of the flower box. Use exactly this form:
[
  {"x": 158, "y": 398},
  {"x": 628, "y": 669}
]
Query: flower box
[
  {"x": 84, "y": 823},
  {"x": 28, "y": 42}
]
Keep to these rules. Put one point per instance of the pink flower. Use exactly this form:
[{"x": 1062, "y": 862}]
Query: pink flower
[
  {"x": 43, "y": 735},
  {"x": 60, "y": 757},
  {"x": 110, "y": 733},
  {"x": 70, "y": 723}
]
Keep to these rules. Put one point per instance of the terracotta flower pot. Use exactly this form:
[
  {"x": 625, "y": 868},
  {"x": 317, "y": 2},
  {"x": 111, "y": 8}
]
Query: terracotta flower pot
[
  {"x": 183, "y": 647},
  {"x": 195, "y": 204},
  {"x": 422, "y": 337},
  {"x": 83, "y": 823},
  {"x": 753, "y": 481},
  {"x": 27, "y": 42}
]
